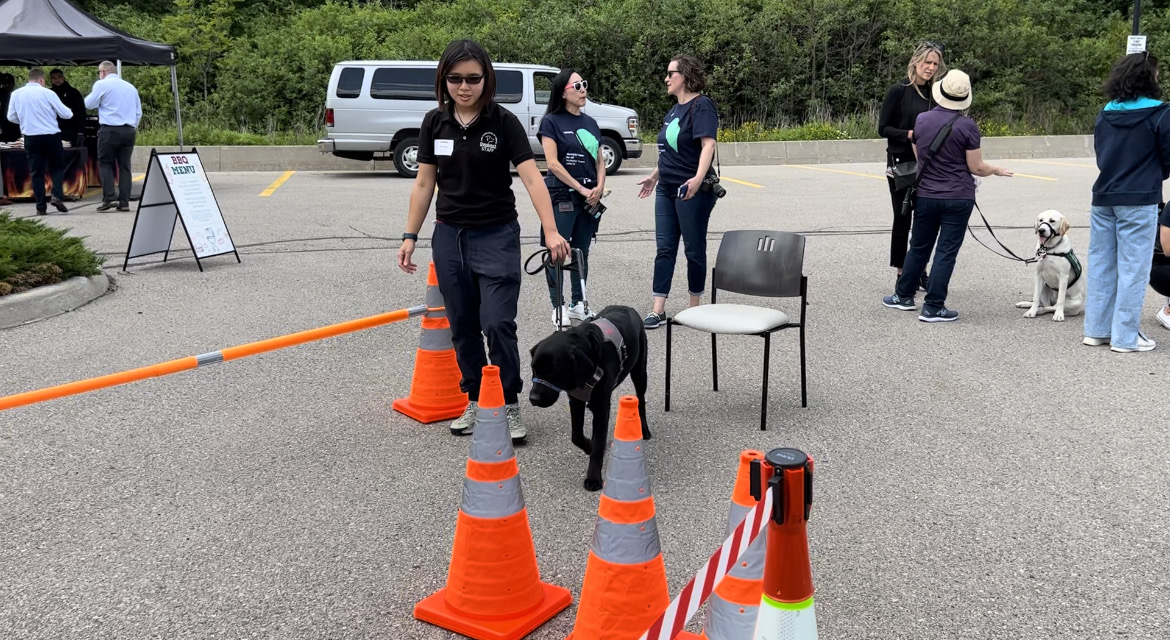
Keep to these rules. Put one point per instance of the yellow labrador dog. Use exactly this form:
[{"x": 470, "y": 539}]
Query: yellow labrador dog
[{"x": 1060, "y": 287}]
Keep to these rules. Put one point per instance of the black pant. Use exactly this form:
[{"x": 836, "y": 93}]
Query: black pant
[
  {"x": 45, "y": 152},
  {"x": 1160, "y": 277},
  {"x": 116, "y": 145},
  {"x": 900, "y": 235},
  {"x": 944, "y": 221},
  {"x": 479, "y": 277}
]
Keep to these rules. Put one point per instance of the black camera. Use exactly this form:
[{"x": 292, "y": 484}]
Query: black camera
[{"x": 711, "y": 183}]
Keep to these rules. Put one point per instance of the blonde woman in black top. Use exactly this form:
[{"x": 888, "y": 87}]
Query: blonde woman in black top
[{"x": 909, "y": 97}]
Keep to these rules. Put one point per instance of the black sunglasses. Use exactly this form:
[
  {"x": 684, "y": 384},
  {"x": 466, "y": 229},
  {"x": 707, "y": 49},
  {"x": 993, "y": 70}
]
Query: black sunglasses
[
  {"x": 932, "y": 45},
  {"x": 458, "y": 80}
]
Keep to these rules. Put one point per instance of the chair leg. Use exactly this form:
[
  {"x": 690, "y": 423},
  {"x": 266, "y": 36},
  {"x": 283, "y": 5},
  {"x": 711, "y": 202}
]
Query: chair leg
[
  {"x": 667, "y": 389},
  {"x": 764, "y": 402},
  {"x": 714, "y": 365},
  {"x": 803, "y": 368}
]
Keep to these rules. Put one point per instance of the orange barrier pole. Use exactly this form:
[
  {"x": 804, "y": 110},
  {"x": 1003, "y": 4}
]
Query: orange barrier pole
[{"x": 215, "y": 357}]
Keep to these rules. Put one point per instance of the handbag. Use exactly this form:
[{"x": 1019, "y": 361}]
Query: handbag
[
  {"x": 904, "y": 174},
  {"x": 935, "y": 145}
]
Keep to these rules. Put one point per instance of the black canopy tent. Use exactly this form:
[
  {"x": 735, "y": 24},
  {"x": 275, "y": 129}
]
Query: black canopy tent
[{"x": 57, "y": 33}]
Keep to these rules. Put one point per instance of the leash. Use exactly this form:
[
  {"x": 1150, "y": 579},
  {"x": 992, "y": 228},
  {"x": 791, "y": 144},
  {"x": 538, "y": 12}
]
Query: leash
[
  {"x": 576, "y": 265},
  {"x": 1010, "y": 254}
]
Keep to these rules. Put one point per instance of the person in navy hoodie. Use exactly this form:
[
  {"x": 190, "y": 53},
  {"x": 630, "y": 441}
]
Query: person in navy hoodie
[{"x": 1132, "y": 141}]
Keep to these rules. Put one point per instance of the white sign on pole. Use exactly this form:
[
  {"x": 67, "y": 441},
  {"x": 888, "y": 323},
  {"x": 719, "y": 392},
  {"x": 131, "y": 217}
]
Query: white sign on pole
[
  {"x": 176, "y": 190},
  {"x": 1135, "y": 44}
]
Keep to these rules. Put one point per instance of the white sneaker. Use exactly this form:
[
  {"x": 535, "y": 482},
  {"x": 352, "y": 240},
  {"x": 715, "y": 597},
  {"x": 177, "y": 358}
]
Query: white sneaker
[
  {"x": 1095, "y": 342},
  {"x": 577, "y": 312},
  {"x": 1163, "y": 317},
  {"x": 515, "y": 427},
  {"x": 565, "y": 321},
  {"x": 1143, "y": 344},
  {"x": 464, "y": 425}
]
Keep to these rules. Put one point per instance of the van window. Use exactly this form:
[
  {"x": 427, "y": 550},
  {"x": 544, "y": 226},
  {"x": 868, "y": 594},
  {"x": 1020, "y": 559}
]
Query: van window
[
  {"x": 542, "y": 86},
  {"x": 349, "y": 85},
  {"x": 509, "y": 86},
  {"x": 394, "y": 83}
]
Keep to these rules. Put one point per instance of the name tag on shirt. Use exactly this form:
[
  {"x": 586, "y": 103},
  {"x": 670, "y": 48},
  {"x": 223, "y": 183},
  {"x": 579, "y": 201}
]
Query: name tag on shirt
[{"x": 444, "y": 147}]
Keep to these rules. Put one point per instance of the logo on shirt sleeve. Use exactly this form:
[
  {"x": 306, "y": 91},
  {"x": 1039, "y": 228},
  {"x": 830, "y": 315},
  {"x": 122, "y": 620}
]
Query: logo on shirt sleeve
[{"x": 488, "y": 142}]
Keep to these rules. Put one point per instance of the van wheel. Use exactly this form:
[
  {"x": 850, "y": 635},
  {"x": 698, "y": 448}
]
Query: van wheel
[
  {"x": 406, "y": 157},
  {"x": 611, "y": 151}
]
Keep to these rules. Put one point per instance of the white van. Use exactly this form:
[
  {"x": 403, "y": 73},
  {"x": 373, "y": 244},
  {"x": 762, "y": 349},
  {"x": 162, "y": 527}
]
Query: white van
[{"x": 373, "y": 110}]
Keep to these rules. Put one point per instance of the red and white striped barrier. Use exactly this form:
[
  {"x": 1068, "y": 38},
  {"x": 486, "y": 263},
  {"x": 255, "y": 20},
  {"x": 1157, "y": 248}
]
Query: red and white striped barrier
[{"x": 684, "y": 606}]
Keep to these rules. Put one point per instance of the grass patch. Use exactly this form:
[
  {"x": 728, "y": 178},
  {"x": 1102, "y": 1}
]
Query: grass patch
[
  {"x": 202, "y": 134},
  {"x": 33, "y": 254}
]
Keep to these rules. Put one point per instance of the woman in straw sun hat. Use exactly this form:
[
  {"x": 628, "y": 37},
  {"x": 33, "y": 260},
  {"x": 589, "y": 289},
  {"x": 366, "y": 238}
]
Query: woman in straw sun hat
[{"x": 945, "y": 198}]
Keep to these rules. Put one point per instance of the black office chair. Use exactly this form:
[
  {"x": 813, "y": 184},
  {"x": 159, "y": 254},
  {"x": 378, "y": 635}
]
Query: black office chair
[{"x": 756, "y": 263}]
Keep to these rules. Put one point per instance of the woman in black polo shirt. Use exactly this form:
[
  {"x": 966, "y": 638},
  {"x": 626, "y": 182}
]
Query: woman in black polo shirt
[{"x": 465, "y": 148}]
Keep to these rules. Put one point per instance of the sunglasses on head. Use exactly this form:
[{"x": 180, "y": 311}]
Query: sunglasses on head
[
  {"x": 932, "y": 45},
  {"x": 580, "y": 85},
  {"x": 459, "y": 80}
]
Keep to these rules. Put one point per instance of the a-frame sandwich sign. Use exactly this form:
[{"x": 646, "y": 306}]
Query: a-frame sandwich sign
[{"x": 176, "y": 190}]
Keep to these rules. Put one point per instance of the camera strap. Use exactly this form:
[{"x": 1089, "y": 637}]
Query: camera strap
[{"x": 718, "y": 169}]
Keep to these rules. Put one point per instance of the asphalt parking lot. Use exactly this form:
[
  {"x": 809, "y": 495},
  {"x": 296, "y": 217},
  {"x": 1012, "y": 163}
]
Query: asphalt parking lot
[{"x": 987, "y": 478}]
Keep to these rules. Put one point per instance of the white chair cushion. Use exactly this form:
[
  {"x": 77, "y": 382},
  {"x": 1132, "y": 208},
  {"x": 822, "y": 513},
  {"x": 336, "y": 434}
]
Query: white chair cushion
[{"x": 731, "y": 318}]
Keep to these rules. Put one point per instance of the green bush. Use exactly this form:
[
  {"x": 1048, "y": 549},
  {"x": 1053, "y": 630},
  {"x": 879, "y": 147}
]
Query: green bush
[{"x": 33, "y": 254}]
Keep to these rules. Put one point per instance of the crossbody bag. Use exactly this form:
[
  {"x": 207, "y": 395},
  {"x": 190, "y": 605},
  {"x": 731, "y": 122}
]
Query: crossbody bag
[{"x": 935, "y": 145}]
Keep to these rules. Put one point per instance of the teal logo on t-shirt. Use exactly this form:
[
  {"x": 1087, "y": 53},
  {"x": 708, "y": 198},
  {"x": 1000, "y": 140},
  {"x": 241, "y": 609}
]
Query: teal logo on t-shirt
[
  {"x": 672, "y": 131},
  {"x": 588, "y": 141}
]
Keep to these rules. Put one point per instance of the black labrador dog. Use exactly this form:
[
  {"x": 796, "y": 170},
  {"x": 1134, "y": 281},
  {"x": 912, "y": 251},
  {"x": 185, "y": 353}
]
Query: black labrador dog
[{"x": 588, "y": 362}]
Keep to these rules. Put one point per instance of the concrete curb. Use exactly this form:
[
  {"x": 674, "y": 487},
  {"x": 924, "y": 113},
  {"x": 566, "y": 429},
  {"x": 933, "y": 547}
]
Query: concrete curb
[
  {"x": 52, "y": 300},
  {"x": 731, "y": 154}
]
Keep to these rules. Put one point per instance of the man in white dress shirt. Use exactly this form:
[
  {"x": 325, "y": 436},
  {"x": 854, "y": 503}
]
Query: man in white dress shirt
[
  {"x": 119, "y": 112},
  {"x": 36, "y": 109}
]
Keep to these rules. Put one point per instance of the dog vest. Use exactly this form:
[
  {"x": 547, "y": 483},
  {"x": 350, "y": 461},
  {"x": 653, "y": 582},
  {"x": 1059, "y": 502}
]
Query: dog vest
[
  {"x": 1073, "y": 263},
  {"x": 613, "y": 337}
]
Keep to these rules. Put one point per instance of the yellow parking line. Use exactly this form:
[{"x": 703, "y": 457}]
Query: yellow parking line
[
  {"x": 746, "y": 184},
  {"x": 848, "y": 173},
  {"x": 276, "y": 185},
  {"x": 1056, "y": 164},
  {"x": 139, "y": 177},
  {"x": 1025, "y": 175}
]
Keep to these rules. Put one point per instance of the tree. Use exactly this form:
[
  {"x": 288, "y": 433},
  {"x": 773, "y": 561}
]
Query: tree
[{"x": 202, "y": 31}]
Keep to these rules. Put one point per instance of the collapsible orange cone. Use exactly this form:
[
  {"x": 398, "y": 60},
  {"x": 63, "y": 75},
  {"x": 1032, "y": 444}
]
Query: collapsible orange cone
[
  {"x": 493, "y": 588},
  {"x": 732, "y": 608},
  {"x": 786, "y": 606},
  {"x": 625, "y": 578},
  {"x": 434, "y": 391}
]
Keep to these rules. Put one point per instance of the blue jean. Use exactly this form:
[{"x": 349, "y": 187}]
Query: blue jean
[
  {"x": 675, "y": 218},
  {"x": 577, "y": 227},
  {"x": 1121, "y": 242},
  {"x": 944, "y": 221},
  {"x": 479, "y": 276}
]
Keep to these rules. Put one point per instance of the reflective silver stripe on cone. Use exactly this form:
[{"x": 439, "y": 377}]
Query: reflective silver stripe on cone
[
  {"x": 626, "y": 543},
  {"x": 725, "y": 622},
  {"x": 435, "y": 340},
  {"x": 628, "y": 478},
  {"x": 754, "y": 556},
  {"x": 435, "y": 298},
  {"x": 491, "y": 441},
  {"x": 492, "y": 499}
]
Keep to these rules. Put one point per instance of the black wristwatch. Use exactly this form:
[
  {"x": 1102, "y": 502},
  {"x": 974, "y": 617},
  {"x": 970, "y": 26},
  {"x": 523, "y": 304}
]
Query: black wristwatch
[{"x": 410, "y": 236}]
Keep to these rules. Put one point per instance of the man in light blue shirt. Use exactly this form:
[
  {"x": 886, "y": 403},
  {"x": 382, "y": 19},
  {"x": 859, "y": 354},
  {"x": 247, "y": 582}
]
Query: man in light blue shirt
[
  {"x": 119, "y": 112},
  {"x": 36, "y": 109}
]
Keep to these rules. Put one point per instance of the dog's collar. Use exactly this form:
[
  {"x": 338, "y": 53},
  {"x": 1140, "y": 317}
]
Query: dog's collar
[{"x": 1069, "y": 255}]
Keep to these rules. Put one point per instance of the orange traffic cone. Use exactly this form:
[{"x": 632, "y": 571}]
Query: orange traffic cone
[
  {"x": 625, "y": 578},
  {"x": 434, "y": 390},
  {"x": 733, "y": 607},
  {"x": 786, "y": 605},
  {"x": 493, "y": 588}
]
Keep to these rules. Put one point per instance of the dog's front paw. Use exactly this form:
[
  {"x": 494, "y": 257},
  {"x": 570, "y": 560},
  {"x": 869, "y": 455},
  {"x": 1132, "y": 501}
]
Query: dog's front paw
[
  {"x": 584, "y": 444},
  {"x": 592, "y": 484},
  {"x": 1058, "y": 316},
  {"x": 1031, "y": 313}
]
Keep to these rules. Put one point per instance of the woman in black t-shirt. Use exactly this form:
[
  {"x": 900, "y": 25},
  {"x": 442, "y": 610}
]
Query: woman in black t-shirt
[
  {"x": 575, "y": 180},
  {"x": 908, "y": 97},
  {"x": 1160, "y": 270},
  {"x": 466, "y": 147}
]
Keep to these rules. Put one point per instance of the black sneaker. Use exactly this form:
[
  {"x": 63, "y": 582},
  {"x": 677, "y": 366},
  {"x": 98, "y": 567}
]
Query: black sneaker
[
  {"x": 654, "y": 320},
  {"x": 123, "y": 207},
  {"x": 60, "y": 206},
  {"x": 897, "y": 302},
  {"x": 105, "y": 206},
  {"x": 924, "y": 282},
  {"x": 42, "y": 211},
  {"x": 941, "y": 314}
]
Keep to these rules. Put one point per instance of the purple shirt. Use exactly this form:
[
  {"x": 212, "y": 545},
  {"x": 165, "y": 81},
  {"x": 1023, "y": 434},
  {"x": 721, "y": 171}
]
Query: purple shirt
[{"x": 947, "y": 177}]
